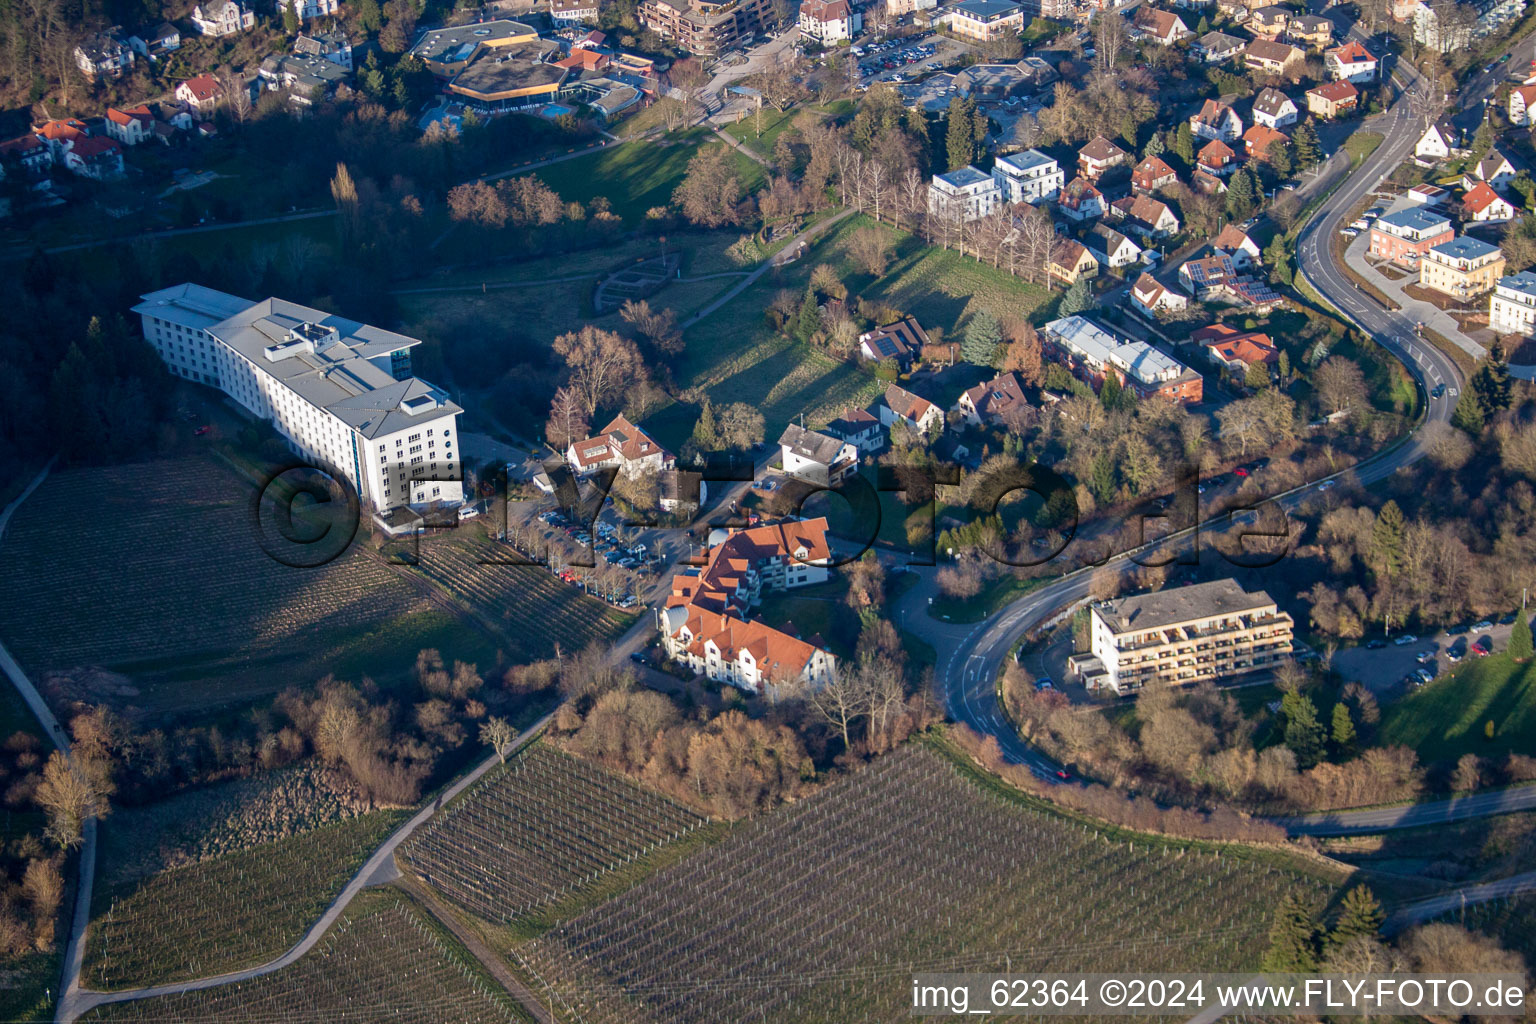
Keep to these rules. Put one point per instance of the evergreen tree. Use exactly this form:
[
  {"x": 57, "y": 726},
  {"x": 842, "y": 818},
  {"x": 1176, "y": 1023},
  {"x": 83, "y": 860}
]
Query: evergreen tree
[
  {"x": 1469, "y": 413},
  {"x": 1359, "y": 915},
  {"x": 1343, "y": 729},
  {"x": 1304, "y": 734},
  {"x": 1257, "y": 376},
  {"x": 808, "y": 322},
  {"x": 1292, "y": 939},
  {"x": 982, "y": 336},
  {"x": 1076, "y": 298},
  {"x": 1284, "y": 366},
  {"x": 1281, "y": 156},
  {"x": 1203, "y": 27},
  {"x": 706, "y": 433},
  {"x": 1242, "y": 195},
  {"x": 1184, "y": 143},
  {"x": 1491, "y": 382},
  {"x": 290, "y": 19},
  {"x": 1520, "y": 638},
  {"x": 1155, "y": 146},
  {"x": 959, "y": 133},
  {"x": 1308, "y": 149},
  {"x": 1482, "y": 140},
  {"x": 1387, "y": 538},
  {"x": 1128, "y": 130},
  {"x": 1101, "y": 478},
  {"x": 1109, "y": 394},
  {"x": 1278, "y": 255}
]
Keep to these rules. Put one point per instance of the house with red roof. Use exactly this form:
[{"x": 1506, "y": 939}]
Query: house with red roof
[
  {"x": 1152, "y": 174},
  {"x": 1351, "y": 63},
  {"x": 1080, "y": 201},
  {"x": 1333, "y": 99},
  {"x": 1484, "y": 204},
  {"x": 131, "y": 126},
  {"x": 1151, "y": 297},
  {"x": 202, "y": 93},
  {"x": 829, "y": 21},
  {"x": 621, "y": 445},
  {"x": 1162, "y": 27},
  {"x": 919, "y": 414},
  {"x": 993, "y": 401},
  {"x": 1217, "y": 158},
  {"x": 95, "y": 157},
  {"x": 1236, "y": 350},
  {"x": 1521, "y": 99}
]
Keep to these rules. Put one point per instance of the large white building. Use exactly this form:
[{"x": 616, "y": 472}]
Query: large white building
[
  {"x": 1028, "y": 177},
  {"x": 965, "y": 194},
  {"x": 340, "y": 392},
  {"x": 1512, "y": 308}
]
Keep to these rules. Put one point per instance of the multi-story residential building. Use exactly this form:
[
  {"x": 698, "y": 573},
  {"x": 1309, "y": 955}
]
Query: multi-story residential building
[
  {"x": 1270, "y": 22},
  {"x": 131, "y": 126},
  {"x": 966, "y": 194},
  {"x": 985, "y": 20},
  {"x": 1462, "y": 268},
  {"x": 1406, "y": 235},
  {"x": 1512, "y": 307},
  {"x": 1351, "y": 63},
  {"x": 620, "y": 445},
  {"x": 340, "y": 392},
  {"x": 817, "y": 458},
  {"x": 704, "y": 624},
  {"x": 104, "y": 54},
  {"x": 1310, "y": 30},
  {"x": 223, "y": 18},
  {"x": 1208, "y": 632},
  {"x": 1274, "y": 109},
  {"x": 202, "y": 93},
  {"x": 306, "y": 9},
  {"x": 1095, "y": 354},
  {"x": 1028, "y": 177},
  {"x": 706, "y": 27},
  {"x": 573, "y": 12},
  {"x": 333, "y": 46},
  {"x": 1273, "y": 57},
  {"x": 1099, "y": 155},
  {"x": 1333, "y": 100},
  {"x": 829, "y": 21},
  {"x": 30, "y": 159}
]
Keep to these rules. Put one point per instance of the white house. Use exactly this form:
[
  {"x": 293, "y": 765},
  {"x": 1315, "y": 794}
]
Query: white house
[
  {"x": 620, "y": 445},
  {"x": 1110, "y": 247},
  {"x": 1080, "y": 201},
  {"x": 1274, "y": 109},
  {"x": 1495, "y": 168},
  {"x": 829, "y": 21},
  {"x": 1244, "y": 251},
  {"x": 1217, "y": 122},
  {"x": 340, "y": 392},
  {"x": 223, "y": 18},
  {"x": 104, "y": 54},
  {"x": 202, "y": 93},
  {"x": 860, "y": 429},
  {"x": 1162, "y": 27},
  {"x": 1512, "y": 307},
  {"x": 1439, "y": 141},
  {"x": 815, "y": 457},
  {"x": 131, "y": 126},
  {"x": 966, "y": 194},
  {"x": 306, "y": 9},
  {"x": 1152, "y": 298},
  {"x": 152, "y": 42},
  {"x": 573, "y": 12},
  {"x": 1028, "y": 177},
  {"x": 917, "y": 413},
  {"x": 1482, "y": 203},
  {"x": 1351, "y": 63}
]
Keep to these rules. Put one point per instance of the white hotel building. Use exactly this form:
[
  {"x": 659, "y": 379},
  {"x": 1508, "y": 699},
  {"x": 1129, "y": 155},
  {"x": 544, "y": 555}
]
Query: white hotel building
[{"x": 340, "y": 392}]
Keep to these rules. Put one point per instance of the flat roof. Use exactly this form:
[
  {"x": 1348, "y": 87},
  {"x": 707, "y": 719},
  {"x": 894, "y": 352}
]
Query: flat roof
[
  {"x": 510, "y": 69},
  {"x": 1215, "y": 599},
  {"x": 1464, "y": 247},
  {"x": 1027, "y": 160},
  {"x": 987, "y": 10},
  {"x": 964, "y": 176},
  {"x": 191, "y": 305},
  {"x": 1414, "y": 218},
  {"x": 1523, "y": 282},
  {"x": 451, "y": 45}
]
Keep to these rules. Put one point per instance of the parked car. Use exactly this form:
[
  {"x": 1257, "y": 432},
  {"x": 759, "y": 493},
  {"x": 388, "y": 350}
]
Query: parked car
[
  {"x": 1406, "y": 639},
  {"x": 1045, "y": 684},
  {"x": 1483, "y": 647},
  {"x": 1424, "y": 675},
  {"x": 1327, "y": 485},
  {"x": 468, "y": 512},
  {"x": 1482, "y": 627},
  {"x": 1375, "y": 645},
  {"x": 1240, "y": 471}
]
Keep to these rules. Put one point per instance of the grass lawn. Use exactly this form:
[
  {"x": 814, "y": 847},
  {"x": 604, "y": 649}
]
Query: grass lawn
[
  {"x": 1449, "y": 717},
  {"x": 995, "y": 593},
  {"x": 636, "y": 176},
  {"x": 821, "y": 609}
]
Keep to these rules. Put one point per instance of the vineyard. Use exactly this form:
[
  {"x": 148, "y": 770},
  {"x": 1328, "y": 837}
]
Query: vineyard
[
  {"x": 823, "y": 910},
  {"x": 233, "y": 911},
  {"x": 154, "y": 571},
  {"x": 544, "y": 825},
  {"x": 533, "y": 609},
  {"x": 382, "y": 961}
]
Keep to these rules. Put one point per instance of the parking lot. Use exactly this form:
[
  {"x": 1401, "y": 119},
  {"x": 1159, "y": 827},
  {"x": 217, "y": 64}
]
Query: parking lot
[
  {"x": 899, "y": 60},
  {"x": 1387, "y": 666}
]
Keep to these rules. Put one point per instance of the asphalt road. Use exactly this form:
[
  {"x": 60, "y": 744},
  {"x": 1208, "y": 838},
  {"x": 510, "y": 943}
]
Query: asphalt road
[{"x": 1434, "y": 812}]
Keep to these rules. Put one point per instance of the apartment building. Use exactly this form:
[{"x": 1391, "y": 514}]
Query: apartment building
[
  {"x": 829, "y": 21},
  {"x": 1207, "y": 632},
  {"x": 1462, "y": 268},
  {"x": 985, "y": 20},
  {"x": 1028, "y": 177},
  {"x": 705, "y": 27},
  {"x": 966, "y": 194},
  {"x": 704, "y": 624},
  {"x": 1512, "y": 307},
  {"x": 223, "y": 18},
  {"x": 1095, "y": 354},
  {"x": 340, "y": 392},
  {"x": 1406, "y": 235}
]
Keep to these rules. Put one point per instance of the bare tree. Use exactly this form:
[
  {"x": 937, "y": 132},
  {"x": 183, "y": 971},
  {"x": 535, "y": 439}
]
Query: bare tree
[
  {"x": 603, "y": 364},
  {"x": 1110, "y": 36},
  {"x": 870, "y": 248},
  {"x": 1340, "y": 384},
  {"x": 498, "y": 734},
  {"x": 842, "y": 700},
  {"x": 69, "y": 797}
]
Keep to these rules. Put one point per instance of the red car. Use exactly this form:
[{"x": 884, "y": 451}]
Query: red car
[
  {"x": 1240, "y": 471},
  {"x": 200, "y": 431},
  {"x": 1063, "y": 774},
  {"x": 1482, "y": 648}
]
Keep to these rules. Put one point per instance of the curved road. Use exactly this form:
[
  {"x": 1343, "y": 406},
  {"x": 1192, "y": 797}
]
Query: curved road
[{"x": 969, "y": 657}]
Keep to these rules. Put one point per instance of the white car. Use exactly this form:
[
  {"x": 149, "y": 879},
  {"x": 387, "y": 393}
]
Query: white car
[
  {"x": 468, "y": 512},
  {"x": 1327, "y": 485},
  {"x": 1406, "y": 639}
]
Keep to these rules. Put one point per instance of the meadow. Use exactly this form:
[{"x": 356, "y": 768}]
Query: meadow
[{"x": 1456, "y": 713}]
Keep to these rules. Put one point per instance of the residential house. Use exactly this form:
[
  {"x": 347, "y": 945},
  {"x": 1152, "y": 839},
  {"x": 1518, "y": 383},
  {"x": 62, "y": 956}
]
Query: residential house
[
  {"x": 1098, "y": 156},
  {"x": 919, "y": 414},
  {"x": 1495, "y": 168},
  {"x": 30, "y": 159},
  {"x": 1217, "y": 279},
  {"x": 1440, "y": 140},
  {"x": 1238, "y": 244},
  {"x": 565, "y": 13},
  {"x": 815, "y": 457},
  {"x": 966, "y": 194},
  {"x": 1071, "y": 261},
  {"x": 1162, "y": 27},
  {"x": 332, "y": 46},
  {"x": 104, "y": 54},
  {"x": 1270, "y": 22},
  {"x": 705, "y": 27},
  {"x": 202, "y": 93},
  {"x": 1432, "y": 196},
  {"x": 303, "y": 76},
  {"x": 95, "y": 157},
  {"x": 1236, "y": 350},
  {"x": 1258, "y": 140},
  {"x": 901, "y": 341},
  {"x": 993, "y": 401},
  {"x": 1462, "y": 268},
  {"x": 1145, "y": 216},
  {"x": 704, "y": 624},
  {"x": 1351, "y": 63},
  {"x": 155, "y": 42},
  {"x": 1482, "y": 203},
  {"x": 1333, "y": 99},
  {"x": 1149, "y": 296},
  {"x": 1310, "y": 30},
  {"x": 223, "y": 18},
  {"x": 1216, "y": 158},
  {"x": 1096, "y": 354},
  {"x": 829, "y": 21},
  {"x": 1152, "y": 174},
  {"x": 1274, "y": 58},
  {"x": 307, "y": 9},
  {"x": 1404, "y": 236},
  {"x": 1206, "y": 183},
  {"x": 1274, "y": 109},
  {"x": 1216, "y": 47},
  {"x": 1111, "y": 248},
  {"x": 1080, "y": 201},
  {"x": 1216, "y": 122},
  {"x": 860, "y": 429},
  {"x": 1512, "y": 307},
  {"x": 1521, "y": 99},
  {"x": 1028, "y": 177},
  {"x": 985, "y": 20},
  {"x": 131, "y": 126},
  {"x": 622, "y": 446}
]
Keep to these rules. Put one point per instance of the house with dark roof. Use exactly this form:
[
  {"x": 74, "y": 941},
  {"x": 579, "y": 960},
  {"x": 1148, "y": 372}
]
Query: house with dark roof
[
  {"x": 901, "y": 341},
  {"x": 1110, "y": 247},
  {"x": 1216, "y": 121},
  {"x": 815, "y": 457},
  {"x": 919, "y": 414},
  {"x": 1215, "y": 47},
  {"x": 993, "y": 401},
  {"x": 860, "y": 428},
  {"x": 1071, "y": 262},
  {"x": 1273, "y": 57},
  {"x": 1274, "y": 109},
  {"x": 1145, "y": 216}
]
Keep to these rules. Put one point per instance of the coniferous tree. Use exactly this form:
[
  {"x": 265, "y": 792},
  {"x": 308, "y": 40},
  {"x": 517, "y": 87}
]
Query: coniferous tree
[
  {"x": 808, "y": 322},
  {"x": 1184, "y": 143},
  {"x": 1343, "y": 729},
  {"x": 1387, "y": 537},
  {"x": 1155, "y": 146},
  {"x": 1308, "y": 149},
  {"x": 1242, "y": 195},
  {"x": 1491, "y": 382},
  {"x": 1292, "y": 939},
  {"x": 1304, "y": 734},
  {"x": 1469, "y": 413},
  {"x": 1520, "y": 638},
  {"x": 982, "y": 336},
  {"x": 1076, "y": 298},
  {"x": 1359, "y": 915}
]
